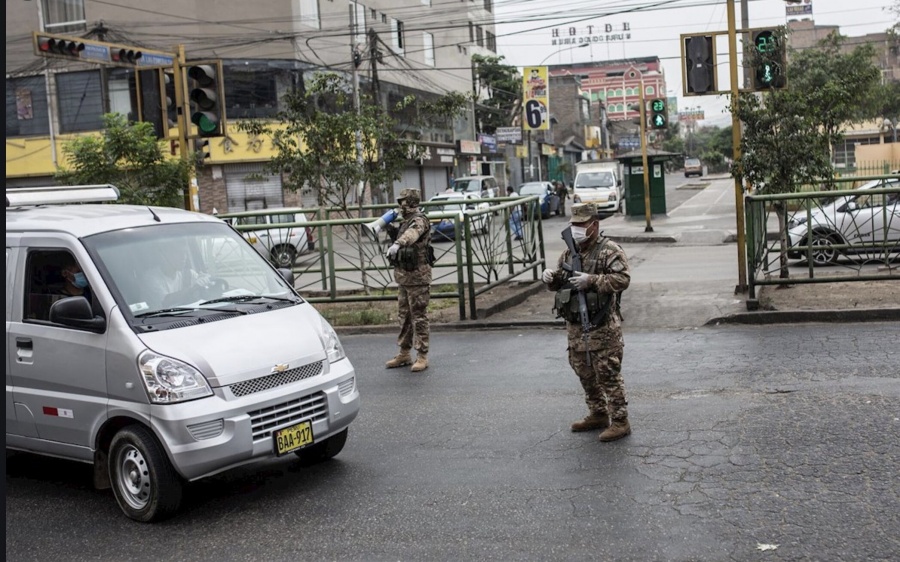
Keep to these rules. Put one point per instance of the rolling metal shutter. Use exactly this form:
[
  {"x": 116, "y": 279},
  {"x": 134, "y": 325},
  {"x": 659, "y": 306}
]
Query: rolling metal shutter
[{"x": 249, "y": 187}]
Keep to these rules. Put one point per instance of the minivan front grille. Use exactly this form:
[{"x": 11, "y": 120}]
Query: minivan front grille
[
  {"x": 313, "y": 407},
  {"x": 278, "y": 379}
]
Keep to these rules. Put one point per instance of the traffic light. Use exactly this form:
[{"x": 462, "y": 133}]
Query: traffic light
[
  {"x": 60, "y": 47},
  {"x": 659, "y": 118},
  {"x": 125, "y": 56},
  {"x": 768, "y": 60},
  {"x": 206, "y": 107},
  {"x": 169, "y": 101},
  {"x": 699, "y": 55},
  {"x": 202, "y": 148}
]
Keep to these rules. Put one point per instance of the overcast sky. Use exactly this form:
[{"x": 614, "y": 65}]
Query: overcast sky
[{"x": 525, "y": 27}]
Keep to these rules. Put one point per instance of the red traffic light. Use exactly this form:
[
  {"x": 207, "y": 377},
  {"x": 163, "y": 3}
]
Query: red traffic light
[
  {"x": 60, "y": 46},
  {"x": 129, "y": 56}
]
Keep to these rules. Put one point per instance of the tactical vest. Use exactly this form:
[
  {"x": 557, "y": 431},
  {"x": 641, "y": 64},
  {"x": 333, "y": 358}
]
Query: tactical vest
[
  {"x": 599, "y": 305},
  {"x": 410, "y": 257}
]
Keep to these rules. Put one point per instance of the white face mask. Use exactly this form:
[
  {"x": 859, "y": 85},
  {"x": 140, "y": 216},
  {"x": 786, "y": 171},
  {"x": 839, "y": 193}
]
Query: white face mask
[{"x": 579, "y": 234}]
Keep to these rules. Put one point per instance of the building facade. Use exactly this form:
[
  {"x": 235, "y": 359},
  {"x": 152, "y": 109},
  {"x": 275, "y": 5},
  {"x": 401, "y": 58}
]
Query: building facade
[
  {"x": 617, "y": 86},
  {"x": 267, "y": 48}
]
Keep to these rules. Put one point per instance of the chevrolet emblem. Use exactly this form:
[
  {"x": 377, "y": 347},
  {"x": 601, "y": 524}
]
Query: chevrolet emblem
[{"x": 279, "y": 368}]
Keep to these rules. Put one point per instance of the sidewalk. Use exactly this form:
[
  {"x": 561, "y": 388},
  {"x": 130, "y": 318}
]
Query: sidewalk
[{"x": 684, "y": 275}]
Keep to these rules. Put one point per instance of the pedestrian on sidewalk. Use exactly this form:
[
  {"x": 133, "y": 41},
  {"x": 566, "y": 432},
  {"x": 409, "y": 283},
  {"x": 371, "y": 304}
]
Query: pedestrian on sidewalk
[
  {"x": 515, "y": 215},
  {"x": 562, "y": 193},
  {"x": 595, "y": 356},
  {"x": 412, "y": 257}
]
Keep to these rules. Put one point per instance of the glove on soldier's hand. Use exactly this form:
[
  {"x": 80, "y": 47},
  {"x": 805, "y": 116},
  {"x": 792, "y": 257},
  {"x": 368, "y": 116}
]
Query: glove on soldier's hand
[
  {"x": 547, "y": 275},
  {"x": 392, "y": 251},
  {"x": 581, "y": 280}
]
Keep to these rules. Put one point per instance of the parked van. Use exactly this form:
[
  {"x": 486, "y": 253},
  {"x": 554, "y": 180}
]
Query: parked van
[
  {"x": 159, "y": 346},
  {"x": 599, "y": 182},
  {"x": 486, "y": 186}
]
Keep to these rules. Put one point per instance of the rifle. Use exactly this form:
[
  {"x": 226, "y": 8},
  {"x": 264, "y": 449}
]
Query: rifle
[{"x": 582, "y": 300}]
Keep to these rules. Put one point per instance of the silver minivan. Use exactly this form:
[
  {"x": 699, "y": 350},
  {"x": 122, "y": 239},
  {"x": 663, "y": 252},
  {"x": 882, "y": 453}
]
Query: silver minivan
[{"x": 159, "y": 346}]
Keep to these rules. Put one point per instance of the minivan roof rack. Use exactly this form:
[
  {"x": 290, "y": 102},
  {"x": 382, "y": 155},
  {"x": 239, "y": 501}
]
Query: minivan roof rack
[{"x": 60, "y": 194}]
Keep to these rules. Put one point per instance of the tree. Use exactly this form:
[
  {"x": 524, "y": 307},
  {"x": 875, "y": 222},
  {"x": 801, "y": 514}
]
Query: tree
[
  {"x": 501, "y": 87},
  {"x": 315, "y": 138},
  {"x": 833, "y": 84},
  {"x": 130, "y": 157}
]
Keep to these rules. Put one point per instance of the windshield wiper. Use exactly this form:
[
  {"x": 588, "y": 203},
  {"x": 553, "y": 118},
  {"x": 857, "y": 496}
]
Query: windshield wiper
[
  {"x": 245, "y": 298},
  {"x": 165, "y": 312}
]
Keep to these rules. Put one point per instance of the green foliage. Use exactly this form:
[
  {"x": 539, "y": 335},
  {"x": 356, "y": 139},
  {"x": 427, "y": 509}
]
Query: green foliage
[
  {"x": 130, "y": 157},
  {"x": 501, "y": 85},
  {"x": 317, "y": 134},
  {"x": 834, "y": 85}
]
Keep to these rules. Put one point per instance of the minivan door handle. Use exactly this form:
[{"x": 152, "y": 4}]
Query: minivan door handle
[{"x": 24, "y": 350}]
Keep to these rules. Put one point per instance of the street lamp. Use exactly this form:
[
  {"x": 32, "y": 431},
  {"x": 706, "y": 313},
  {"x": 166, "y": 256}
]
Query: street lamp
[{"x": 561, "y": 50}]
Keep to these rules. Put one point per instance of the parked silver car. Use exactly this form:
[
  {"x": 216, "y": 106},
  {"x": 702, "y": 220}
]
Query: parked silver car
[
  {"x": 159, "y": 346},
  {"x": 869, "y": 220}
]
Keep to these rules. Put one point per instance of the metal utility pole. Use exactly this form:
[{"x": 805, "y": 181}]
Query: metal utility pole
[
  {"x": 644, "y": 161},
  {"x": 736, "y": 143}
]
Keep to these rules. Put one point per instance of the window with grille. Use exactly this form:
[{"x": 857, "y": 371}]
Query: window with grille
[
  {"x": 64, "y": 16},
  {"x": 397, "y": 35}
]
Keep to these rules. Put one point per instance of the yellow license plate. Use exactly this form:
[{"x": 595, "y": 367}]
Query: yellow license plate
[{"x": 294, "y": 437}]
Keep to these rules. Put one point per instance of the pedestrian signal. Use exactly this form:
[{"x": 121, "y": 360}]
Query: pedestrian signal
[
  {"x": 659, "y": 118},
  {"x": 699, "y": 64},
  {"x": 768, "y": 59}
]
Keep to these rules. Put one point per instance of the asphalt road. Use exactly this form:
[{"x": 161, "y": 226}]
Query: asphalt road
[{"x": 743, "y": 437}]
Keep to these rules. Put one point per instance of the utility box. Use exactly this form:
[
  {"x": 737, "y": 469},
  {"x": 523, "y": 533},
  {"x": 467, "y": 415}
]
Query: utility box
[{"x": 634, "y": 182}]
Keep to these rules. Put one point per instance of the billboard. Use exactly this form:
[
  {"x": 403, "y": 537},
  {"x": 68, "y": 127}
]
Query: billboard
[{"x": 536, "y": 99}]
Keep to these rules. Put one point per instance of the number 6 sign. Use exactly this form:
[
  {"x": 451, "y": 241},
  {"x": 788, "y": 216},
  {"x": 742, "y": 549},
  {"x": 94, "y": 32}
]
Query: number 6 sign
[{"x": 536, "y": 102}]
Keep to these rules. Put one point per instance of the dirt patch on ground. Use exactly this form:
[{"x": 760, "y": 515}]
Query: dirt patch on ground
[
  {"x": 440, "y": 310},
  {"x": 832, "y": 296}
]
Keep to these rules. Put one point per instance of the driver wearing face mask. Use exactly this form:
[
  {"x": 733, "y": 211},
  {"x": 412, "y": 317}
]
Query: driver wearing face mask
[
  {"x": 604, "y": 275},
  {"x": 76, "y": 282}
]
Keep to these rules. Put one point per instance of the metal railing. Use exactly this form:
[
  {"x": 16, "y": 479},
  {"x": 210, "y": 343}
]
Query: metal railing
[
  {"x": 336, "y": 258},
  {"x": 824, "y": 236}
]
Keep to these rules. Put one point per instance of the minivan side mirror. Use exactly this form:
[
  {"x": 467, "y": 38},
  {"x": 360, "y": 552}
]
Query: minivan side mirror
[
  {"x": 76, "y": 312},
  {"x": 848, "y": 207},
  {"x": 288, "y": 275}
]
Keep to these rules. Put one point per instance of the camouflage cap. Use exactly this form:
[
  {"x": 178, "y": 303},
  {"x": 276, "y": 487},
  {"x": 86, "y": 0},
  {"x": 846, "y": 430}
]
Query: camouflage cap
[
  {"x": 410, "y": 195},
  {"x": 583, "y": 212}
]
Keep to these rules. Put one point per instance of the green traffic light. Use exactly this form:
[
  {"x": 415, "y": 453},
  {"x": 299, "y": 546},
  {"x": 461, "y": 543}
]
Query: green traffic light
[{"x": 206, "y": 124}]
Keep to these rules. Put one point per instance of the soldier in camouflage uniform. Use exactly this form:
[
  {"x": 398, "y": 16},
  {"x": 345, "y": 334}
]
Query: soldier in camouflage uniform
[
  {"x": 410, "y": 257},
  {"x": 605, "y": 275}
]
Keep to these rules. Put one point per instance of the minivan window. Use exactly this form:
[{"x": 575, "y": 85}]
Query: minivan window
[
  {"x": 467, "y": 185},
  {"x": 595, "y": 179},
  {"x": 188, "y": 269}
]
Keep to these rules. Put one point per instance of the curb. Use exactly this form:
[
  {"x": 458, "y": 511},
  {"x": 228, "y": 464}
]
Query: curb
[{"x": 805, "y": 316}]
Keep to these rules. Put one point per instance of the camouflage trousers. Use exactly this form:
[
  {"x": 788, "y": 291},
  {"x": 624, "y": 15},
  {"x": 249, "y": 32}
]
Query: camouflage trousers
[
  {"x": 413, "y": 304},
  {"x": 604, "y": 388}
]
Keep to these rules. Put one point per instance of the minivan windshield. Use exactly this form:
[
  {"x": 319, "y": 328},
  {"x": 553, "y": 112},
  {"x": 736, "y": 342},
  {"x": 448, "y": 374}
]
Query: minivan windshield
[
  {"x": 594, "y": 180},
  {"x": 467, "y": 185},
  {"x": 185, "y": 268}
]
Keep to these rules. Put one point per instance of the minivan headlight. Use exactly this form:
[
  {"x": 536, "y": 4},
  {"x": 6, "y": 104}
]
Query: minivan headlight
[
  {"x": 169, "y": 380},
  {"x": 330, "y": 341}
]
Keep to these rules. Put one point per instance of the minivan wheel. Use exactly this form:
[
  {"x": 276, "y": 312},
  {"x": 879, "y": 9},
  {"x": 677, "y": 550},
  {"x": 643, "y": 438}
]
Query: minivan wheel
[
  {"x": 145, "y": 484},
  {"x": 284, "y": 255},
  {"x": 323, "y": 450}
]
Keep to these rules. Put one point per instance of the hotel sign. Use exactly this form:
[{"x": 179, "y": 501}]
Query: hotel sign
[{"x": 590, "y": 34}]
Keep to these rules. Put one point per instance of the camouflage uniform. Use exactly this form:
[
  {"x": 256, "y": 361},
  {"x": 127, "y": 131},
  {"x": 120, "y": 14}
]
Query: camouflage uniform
[
  {"x": 415, "y": 285},
  {"x": 601, "y": 380}
]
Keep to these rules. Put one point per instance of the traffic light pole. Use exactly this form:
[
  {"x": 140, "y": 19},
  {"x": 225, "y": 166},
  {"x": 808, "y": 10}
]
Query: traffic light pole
[
  {"x": 646, "y": 173},
  {"x": 178, "y": 75},
  {"x": 736, "y": 150}
]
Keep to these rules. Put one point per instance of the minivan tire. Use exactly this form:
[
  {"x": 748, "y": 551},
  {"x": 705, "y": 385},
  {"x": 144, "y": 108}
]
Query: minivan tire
[
  {"x": 323, "y": 450},
  {"x": 145, "y": 484}
]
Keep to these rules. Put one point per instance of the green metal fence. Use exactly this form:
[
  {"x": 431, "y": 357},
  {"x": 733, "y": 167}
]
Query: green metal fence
[
  {"x": 346, "y": 261},
  {"x": 825, "y": 236}
]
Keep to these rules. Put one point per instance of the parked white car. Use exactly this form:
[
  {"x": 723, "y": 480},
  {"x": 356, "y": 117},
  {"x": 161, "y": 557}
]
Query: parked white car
[
  {"x": 865, "y": 218},
  {"x": 280, "y": 244},
  {"x": 443, "y": 229}
]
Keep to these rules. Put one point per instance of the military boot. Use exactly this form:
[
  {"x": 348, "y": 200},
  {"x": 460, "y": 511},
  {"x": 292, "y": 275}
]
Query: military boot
[
  {"x": 421, "y": 363},
  {"x": 403, "y": 358},
  {"x": 618, "y": 430},
  {"x": 592, "y": 421}
]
